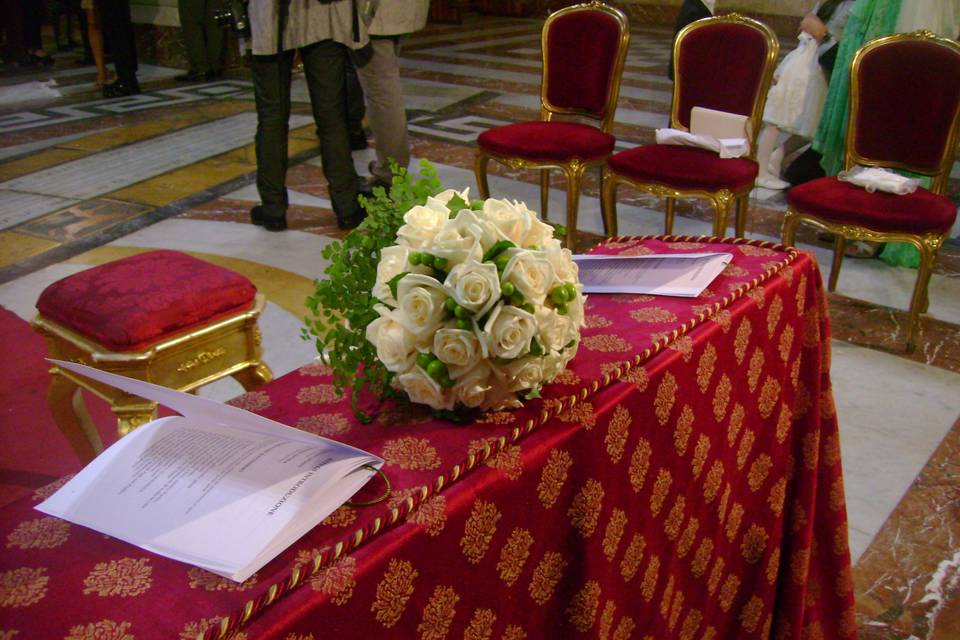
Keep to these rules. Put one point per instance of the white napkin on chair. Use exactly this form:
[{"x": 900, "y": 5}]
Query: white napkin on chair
[
  {"x": 726, "y": 147},
  {"x": 877, "y": 179}
]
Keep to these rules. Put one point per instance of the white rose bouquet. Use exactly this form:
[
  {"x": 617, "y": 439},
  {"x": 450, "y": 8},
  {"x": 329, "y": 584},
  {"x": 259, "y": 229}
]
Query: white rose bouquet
[
  {"x": 457, "y": 305},
  {"x": 477, "y": 304}
]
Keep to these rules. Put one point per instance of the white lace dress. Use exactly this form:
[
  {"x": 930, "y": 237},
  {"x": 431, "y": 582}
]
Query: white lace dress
[{"x": 794, "y": 103}]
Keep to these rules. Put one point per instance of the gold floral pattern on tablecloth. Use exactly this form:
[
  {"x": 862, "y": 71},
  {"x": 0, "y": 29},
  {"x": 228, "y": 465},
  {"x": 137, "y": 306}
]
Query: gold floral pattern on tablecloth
[
  {"x": 582, "y": 610},
  {"x": 666, "y": 396},
  {"x": 688, "y": 538},
  {"x": 584, "y": 511},
  {"x": 706, "y": 366},
  {"x": 567, "y": 377},
  {"x": 769, "y": 396},
  {"x": 606, "y": 343},
  {"x": 674, "y": 519},
  {"x": 393, "y": 592},
  {"x": 546, "y": 576},
  {"x": 316, "y": 369},
  {"x": 194, "y": 628},
  {"x": 683, "y": 429},
  {"x": 438, "y": 614},
  {"x": 481, "y": 625},
  {"x": 431, "y": 514},
  {"x": 101, "y": 630},
  {"x": 639, "y": 464},
  {"x": 616, "y": 525},
  {"x": 721, "y": 397},
  {"x": 657, "y": 315},
  {"x": 661, "y": 487},
  {"x": 617, "y": 432},
  {"x": 251, "y": 401},
  {"x": 479, "y": 530},
  {"x": 701, "y": 559},
  {"x": 48, "y": 490},
  {"x": 202, "y": 579},
  {"x": 126, "y": 577},
  {"x": 595, "y": 321},
  {"x": 754, "y": 543},
  {"x": 711, "y": 484},
  {"x": 632, "y": 557},
  {"x": 318, "y": 394},
  {"x": 342, "y": 517},
  {"x": 759, "y": 471},
  {"x": 337, "y": 581},
  {"x": 650, "y": 575},
  {"x": 786, "y": 343},
  {"x": 514, "y": 555},
  {"x": 41, "y": 533},
  {"x": 507, "y": 461},
  {"x": 514, "y": 632},
  {"x": 23, "y": 587},
  {"x": 553, "y": 476},
  {"x": 325, "y": 424},
  {"x": 637, "y": 251},
  {"x": 411, "y": 453}
]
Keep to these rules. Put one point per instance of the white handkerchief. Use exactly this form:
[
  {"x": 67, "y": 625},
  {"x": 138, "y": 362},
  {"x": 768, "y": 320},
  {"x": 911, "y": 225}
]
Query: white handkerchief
[
  {"x": 877, "y": 179},
  {"x": 726, "y": 147}
]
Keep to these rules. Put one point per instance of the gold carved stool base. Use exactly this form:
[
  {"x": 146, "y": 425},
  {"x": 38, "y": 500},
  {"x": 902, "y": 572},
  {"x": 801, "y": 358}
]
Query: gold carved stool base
[{"x": 227, "y": 344}]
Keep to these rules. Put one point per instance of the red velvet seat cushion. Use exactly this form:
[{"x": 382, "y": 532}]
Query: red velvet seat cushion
[
  {"x": 547, "y": 141},
  {"x": 684, "y": 168},
  {"x": 128, "y": 304},
  {"x": 841, "y": 202}
]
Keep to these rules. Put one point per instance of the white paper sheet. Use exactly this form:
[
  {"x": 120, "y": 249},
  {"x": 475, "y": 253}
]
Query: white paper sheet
[
  {"x": 674, "y": 274},
  {"x": 218, "y": 487}
]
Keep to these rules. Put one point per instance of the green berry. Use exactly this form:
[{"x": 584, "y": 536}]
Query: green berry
[
  {"x": 424, "y": 360},
  {"x": 558, "y": 295},
  {"x": 464, "y": 324},
  {"x": 528, "y": 307},
  {"x": 507, "y": 289},
  {"x": 562, "y": 308},
  {"x": 437, "y": 370},
  {"x": 571, "y": 291},
  {"x": 516, "y": 298},
  {"x": 451, "y": 305},
  {"x": 426, "y": 259},
  {"x": 461, "y": 312},
  {"x": 415, "y": 257},
  {"x": 440, "y": 263}
]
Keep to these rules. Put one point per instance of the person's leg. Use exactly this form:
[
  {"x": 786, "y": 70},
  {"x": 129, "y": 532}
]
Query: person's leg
[
  {"x": 95, "y": 36},
  {"x": 323, "y": 65},
  {"x": 271, "y": 90},
  {"x": 765, "y": 144},
  {"x": 381, "y": 83},
  {"x": 213, "y": 35},
  {"x": 114, "y": 16},
  {"x": 355, "y": 106},
  {"x": 192, "y": 27}
]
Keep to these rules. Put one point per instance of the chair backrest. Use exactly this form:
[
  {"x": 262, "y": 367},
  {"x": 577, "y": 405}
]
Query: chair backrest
[
  {"x": 905, "y": 105},
  {"x": 723, "y": 63},
  {"x": 584, "y": 49}
]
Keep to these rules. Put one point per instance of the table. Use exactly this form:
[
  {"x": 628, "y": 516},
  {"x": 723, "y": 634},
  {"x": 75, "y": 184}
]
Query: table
[{"x": 681, "y": 480}]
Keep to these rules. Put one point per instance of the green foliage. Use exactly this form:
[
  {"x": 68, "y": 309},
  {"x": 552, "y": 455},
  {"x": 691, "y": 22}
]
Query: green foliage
[{"x": 341, "y": 306}]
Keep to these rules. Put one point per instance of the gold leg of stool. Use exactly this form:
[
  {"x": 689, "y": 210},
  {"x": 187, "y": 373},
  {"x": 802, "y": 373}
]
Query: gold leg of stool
[
  {"x": 253, "y": 376},
  {"x": 71, "y": 416},
  {"x": 131, "y": 416}
]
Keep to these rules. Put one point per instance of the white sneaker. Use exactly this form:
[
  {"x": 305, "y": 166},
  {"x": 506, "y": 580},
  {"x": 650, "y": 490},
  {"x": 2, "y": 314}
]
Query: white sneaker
[{"x": 769, "y": 182}]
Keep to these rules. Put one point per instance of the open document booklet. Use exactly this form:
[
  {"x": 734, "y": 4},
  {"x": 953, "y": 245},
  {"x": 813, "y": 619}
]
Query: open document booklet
[
  {"x": 216, "y": 487},
  {"x": 670, "y": 274}
]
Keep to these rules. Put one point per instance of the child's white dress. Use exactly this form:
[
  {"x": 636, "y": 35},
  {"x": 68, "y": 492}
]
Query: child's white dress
[{"x": 794, "y": 103}]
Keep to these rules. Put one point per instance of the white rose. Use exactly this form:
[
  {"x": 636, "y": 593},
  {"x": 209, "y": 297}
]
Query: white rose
[
  {"x": 395, "y": 345},
  {"x": 474, "y": 285},
  {"x": 525, "y": 373},
  {"x": 507, "y": 221},
  {"x": 420, "y": 302},
  {"x": 447, "y": 195},
  {"x": 393, "y": 261},
  {"x": 555, "y": 330},
  {"x": 499, "y": 395},
  {"x": 561, "y": 259},
  {"x": 458, "y": 241},
  {"x": 456, "y": 347},
  {"x": 530, "y": 272},
  {"x": 575, "y": 309},
  {"x": 422, "y": 223},
  {"x": 509, "y": 330},
  {"x": 553, "y": 364},
  {"x": 423, "y": 389},
  {"x": 539, "y": 235},
  {"x": 471, "y": 387}
]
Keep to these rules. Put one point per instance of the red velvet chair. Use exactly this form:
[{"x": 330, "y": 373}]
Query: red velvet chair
[
  {"x": 904, "y": 114},
  {"x": 584, "y": 48},
  {"x": 723, "y": 63}
]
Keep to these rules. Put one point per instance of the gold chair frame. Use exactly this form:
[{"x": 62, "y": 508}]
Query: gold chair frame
[
  {"x": 574, "y": 169},
  {"x": 928, "y": 244},
  {"x": 719, "y": 199},
  {"x": 229, "y": 346}
]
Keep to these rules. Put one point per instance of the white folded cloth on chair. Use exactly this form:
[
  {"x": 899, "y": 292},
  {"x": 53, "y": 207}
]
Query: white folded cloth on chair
[
  {"x": 877, "y": 179},
  {"x": 726, "y": 147}
]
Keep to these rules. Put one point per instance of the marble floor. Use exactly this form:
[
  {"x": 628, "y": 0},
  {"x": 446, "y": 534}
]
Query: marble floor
[{"x": 85, "y": 180}]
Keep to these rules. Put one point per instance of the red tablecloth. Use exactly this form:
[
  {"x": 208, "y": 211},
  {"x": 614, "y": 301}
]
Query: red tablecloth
[{"x": 681, "y": 480}]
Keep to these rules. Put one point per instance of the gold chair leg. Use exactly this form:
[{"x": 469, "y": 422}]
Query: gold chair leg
[
  {"x": 608, "y": 204},
  {"x": 574, "y": 175},
  {"x": 544, "y": 192},
  {"x": 920, "y": 295},
  {"x": 131, "y": 416},
  {"x": 253, "y": 376},
  {"x": 789, "y": 232},
  {"x": 839, "y": 247},
  {"x": 741, "y": 222},
  {"x": 721, "y": 210},
  {"x": 671, "y": 213},
  {"x": 480, "y": 169},
  {"x": 71, "y": 417}
]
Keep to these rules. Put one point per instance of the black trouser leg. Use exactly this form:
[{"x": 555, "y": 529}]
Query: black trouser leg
[
  {"x": 271, "y": 88},
  {"x": 118, "y": 32}
]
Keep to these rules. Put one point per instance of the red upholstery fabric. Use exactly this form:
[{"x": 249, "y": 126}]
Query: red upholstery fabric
[
  {"x": 720, "y": 66},
  {"x": 684, "y": 168},
  {"x": 131, "y": 303},
  {"x": 580, "y": 56},
  {"x": 547, "y": 141},
  {"x": 842, "y": 202},
  {"x": 909, "y": 94}
]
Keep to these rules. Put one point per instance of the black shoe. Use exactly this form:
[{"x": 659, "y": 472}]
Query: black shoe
[
  {"x": 353, "y": 221},
  {"x": 191, "y": 76},
  {"x": 213, "y": 74},
  {"x": 260, "y": 218},
  {"x": 118, "y": 89},
  {"x": 358, "y": 140}
]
